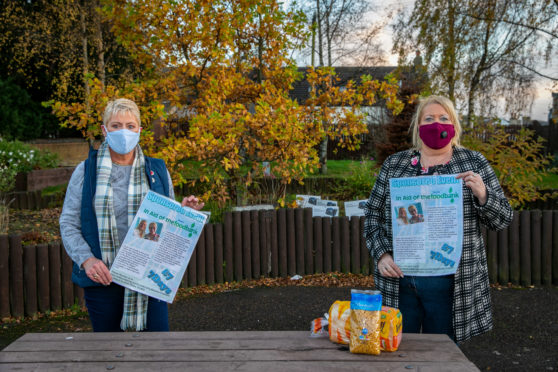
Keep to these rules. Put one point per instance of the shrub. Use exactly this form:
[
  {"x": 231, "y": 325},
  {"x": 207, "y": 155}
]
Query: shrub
[
  {"x": 517, "y": 158},
  {"x": 16, "y": 157},
  {"x": 358, "y": 184}
]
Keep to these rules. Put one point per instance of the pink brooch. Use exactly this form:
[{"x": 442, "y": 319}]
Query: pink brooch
[
  {"x": 152, "y": 173},
  {"x": 414, "y": 160}
]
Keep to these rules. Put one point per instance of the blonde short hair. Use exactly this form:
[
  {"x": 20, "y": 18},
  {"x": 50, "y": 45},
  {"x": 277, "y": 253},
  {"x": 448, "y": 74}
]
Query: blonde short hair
[
  {"x": 118, "y": 106},
  {"x": 450, "y": 109}
]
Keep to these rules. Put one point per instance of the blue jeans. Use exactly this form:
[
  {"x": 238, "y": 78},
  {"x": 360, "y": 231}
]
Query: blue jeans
[
  {"x": 426, "y": 304},
  {"x": 106, "y": 306}
]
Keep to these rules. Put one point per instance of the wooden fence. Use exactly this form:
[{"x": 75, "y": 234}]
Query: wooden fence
[{"x": 280, "y": 243}]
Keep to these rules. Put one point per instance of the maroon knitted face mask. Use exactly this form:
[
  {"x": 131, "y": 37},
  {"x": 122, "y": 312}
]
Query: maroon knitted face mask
[{"x": 436, "y": 135}]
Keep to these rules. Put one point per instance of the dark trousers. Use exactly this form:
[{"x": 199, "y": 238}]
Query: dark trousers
[
  {"x": 426, "y": 304},
  {"x": 106, "y": 306}
]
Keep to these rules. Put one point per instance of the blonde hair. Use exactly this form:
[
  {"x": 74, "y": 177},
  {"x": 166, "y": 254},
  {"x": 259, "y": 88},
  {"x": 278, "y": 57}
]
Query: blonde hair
[
  {"x": 412, "y": 207},
  {"x": 118, "y": 106},
  {"x": 450, "y": 109}
]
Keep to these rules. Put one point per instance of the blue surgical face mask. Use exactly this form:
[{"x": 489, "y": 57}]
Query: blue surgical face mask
[{"x": 122, "y": 141}]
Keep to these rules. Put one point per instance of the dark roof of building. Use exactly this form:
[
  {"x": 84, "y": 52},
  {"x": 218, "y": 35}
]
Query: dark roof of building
[{"x": 300, "y": 90}]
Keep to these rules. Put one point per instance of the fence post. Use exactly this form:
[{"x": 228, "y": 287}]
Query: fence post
[
  {"x": 16, "y": 274},
  {"x": 209, "y": 254},
  {"x": 237, "y": 247},
  {"x": 299, "y": 241},
  {"x": 54, "y": 275},
  {"x": 264, "y": 243},
  {"x": 336, "y": 244},
  {"x": 326, "y": 241},
  {"x": 228, "y": 247},
  {"x": 309, "y": 241},
  {"x": 67, "y": 285},
  {"x": 318, "y": 245},
  {"x": 273, "y": 235},
  {"x": 503, "y": 257},
  {"x": 192, "y": 268},
  {"x": 364, "y": 254},
  {"x": 246, "y": 245},
  {"x": 291, "y": 242},
  {"x": 546, "y": 248},
  {"x": 43, "y": 277},
  {"x": 282, "y": 241},
  {"x": 218, "y": 231},
  {"x": 4, "y": 276},
  {"x": 492, "y": 256},
  {"x": 515, "y": 257},
  {"x": 255, "y": 238},
  {"x": 345, "y": 245},
  {"x": 536, "y": 247},
  {"x": 525, "y": 241},
  {"x": 355, "y": 245},
  {"x": 30, "y": 278},
  {"x": 555, "y": 247}
]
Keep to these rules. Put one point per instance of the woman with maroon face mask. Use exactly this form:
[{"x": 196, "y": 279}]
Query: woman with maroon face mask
[{"x": 459, "y": 304}]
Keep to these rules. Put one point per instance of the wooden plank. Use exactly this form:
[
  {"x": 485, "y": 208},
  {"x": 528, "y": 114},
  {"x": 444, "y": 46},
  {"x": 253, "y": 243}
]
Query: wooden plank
[
  {"x": 246, "y": 245},
  {"x": 43, "y": 278},
  {"x": 299, "y": 241},
  {"x": 555, "y": 248},
  {"x": 318, "y": 245},
  {"x": 54, "y": 272},
  {"x": 546, "y": 248},
  {"x": 255, "y": 238},
  {"x": 326, "y": 239},
  {"x": 291, "y": 243},
  {"x": 515, "y": 257},
  {"x": 209, "y": 254},
  {"x": 492, "y": 256},
  {"x": 237, "y": 247},
  {"x": 16, "y": 276},
  {"x": 218, "y": 241},
  {"x": 364, "y": 253},
  {"x": 503, "y": 257},
  {"x": 78, "y": 293},
  {"x": 30, "y": 279},
  {"x": 336, "y": 244},
  {"x": 192, "y": 268},
  {"x": 345, "y": 244},
  {"x": 282, "y": 242},
  {"x": 200, "y": 260},
  {"x": 4, "y": 276},
  {"x": 355, "y": 245},
  {"x": 67, "y": 285},
  {"x": 273, "y": 243},
  {"x": 228, "y": 252},
  {"x": 255, "y": 366},
  {"x": 536, "y": 227},
  {"x": 525, "y": 247},
  {"x": 308, "y": 241},
  {"x": 265, "y": 244}
]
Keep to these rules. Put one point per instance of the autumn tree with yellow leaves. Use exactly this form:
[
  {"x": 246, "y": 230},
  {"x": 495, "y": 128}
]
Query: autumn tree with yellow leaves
[{"x": 223, "y": 66}]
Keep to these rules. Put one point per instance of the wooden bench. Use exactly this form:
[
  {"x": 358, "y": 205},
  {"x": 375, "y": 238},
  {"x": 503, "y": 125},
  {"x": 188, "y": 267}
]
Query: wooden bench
[{"x": 221, "y": 351}]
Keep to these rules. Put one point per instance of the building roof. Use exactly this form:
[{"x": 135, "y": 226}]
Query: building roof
[{"x": 301, "y": 88}]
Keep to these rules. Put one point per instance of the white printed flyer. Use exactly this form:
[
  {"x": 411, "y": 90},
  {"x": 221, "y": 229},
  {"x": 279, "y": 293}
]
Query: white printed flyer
[
  {"x": 427, "y": 224},
  {"x": 157, "y": 248}
]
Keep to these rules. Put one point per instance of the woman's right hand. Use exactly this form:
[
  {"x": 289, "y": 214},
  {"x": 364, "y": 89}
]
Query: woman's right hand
[
  {"x": 97, "y": 271},
  {"x": 388, "y": 268}
]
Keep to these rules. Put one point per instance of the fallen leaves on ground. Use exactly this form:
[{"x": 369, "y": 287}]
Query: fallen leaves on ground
[
  {"x": 334, "y": 279},
  {"x": 35, "y": 227}
]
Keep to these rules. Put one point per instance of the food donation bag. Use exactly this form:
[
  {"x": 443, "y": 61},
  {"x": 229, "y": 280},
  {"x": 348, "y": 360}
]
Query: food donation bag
[{"x": 365, "y": 322}]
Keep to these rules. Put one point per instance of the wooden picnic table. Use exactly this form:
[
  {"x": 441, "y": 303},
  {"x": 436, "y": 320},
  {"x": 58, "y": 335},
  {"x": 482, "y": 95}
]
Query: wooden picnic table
[{"x": 221, "y": 351}]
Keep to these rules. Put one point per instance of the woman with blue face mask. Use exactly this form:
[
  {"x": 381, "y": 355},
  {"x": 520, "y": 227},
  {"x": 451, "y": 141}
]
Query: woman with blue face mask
[
  {"x": 457, "y": 304},
  {"x": 102, "y": 198}
]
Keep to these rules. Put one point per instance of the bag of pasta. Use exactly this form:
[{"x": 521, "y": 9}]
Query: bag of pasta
[
  {"x": 365, "y": 322},
  {"x": 339, "y": 322}
]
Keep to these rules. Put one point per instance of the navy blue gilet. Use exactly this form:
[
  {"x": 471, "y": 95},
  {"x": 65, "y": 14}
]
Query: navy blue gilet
[{"x": 157, "y": 177}]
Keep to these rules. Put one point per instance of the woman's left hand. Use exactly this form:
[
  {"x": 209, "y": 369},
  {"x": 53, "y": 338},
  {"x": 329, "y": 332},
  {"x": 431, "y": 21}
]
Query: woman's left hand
[
  {"x": 476, "y": 184},
  {"x": 192, "y": 202}
]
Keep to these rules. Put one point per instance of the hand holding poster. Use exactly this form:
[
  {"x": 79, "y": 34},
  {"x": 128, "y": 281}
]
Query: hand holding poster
[
  {"x": 158, "y": 247},
  {"x": 427, "y": 224}
]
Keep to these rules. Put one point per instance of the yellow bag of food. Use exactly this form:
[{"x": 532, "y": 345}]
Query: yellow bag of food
[
  {"x": 339, "y": 322},
  {"x": 365, "y": 322},
  {"x": 391, "y": 324}
]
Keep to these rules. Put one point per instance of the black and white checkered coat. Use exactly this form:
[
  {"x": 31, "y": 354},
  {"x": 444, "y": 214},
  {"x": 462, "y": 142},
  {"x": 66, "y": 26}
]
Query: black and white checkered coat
[{"x": 472, "y": 313}]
